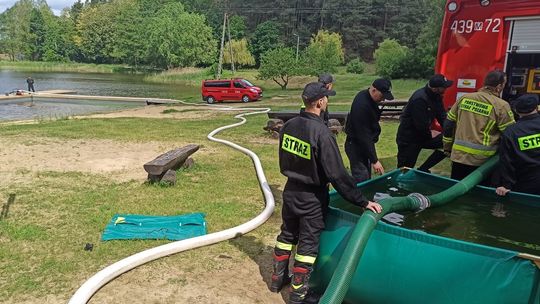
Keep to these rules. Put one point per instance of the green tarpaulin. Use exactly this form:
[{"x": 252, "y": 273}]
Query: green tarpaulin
[{"x": 144, "y": 227}]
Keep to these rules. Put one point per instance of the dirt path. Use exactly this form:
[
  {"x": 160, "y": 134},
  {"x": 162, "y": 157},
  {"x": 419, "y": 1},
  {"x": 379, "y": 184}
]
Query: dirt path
[{"x": 239, "y": 279}]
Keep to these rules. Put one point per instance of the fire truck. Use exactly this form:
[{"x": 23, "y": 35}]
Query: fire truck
[{"x": 482, "y": 35}]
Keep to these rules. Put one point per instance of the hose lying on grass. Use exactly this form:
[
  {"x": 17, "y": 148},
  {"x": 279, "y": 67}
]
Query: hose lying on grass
[{"x": 92, "y": 285}]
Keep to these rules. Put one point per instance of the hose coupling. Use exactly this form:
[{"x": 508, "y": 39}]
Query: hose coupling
[{"x": 422, "y": 200}]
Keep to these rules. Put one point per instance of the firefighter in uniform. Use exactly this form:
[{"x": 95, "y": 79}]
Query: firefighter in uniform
[
  {"x": 328, "y": 80},
  {"x": 519, "y": 150},
  {"x": 474, "y": 126},
  {"x": 310, "y": 158},
  {"x": 414, "y": 131}
]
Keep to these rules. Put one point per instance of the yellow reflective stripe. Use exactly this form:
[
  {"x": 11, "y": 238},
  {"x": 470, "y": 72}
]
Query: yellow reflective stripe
[
  {"x": 473, "y": 151},
  {"x": 305, "y": 258},
  {"x": 296, "y": 146},
  {"x": 503, "y": 126},
  {"x": 447, "y": 139},
  {"x": 451, "y": 116},
  {"x": 283, "y": 246},
  {"x": 486, "y": 131},
  {"x": 296, "y": 286}
]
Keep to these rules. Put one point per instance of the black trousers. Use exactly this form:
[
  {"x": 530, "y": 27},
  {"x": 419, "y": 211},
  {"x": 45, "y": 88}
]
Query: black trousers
[
  {"x": 303, "y": 213},
  {"x": 360, "y": 163},
  {"x": 460, "y": 171},
  {"x": 408, "y": 153},
  {"x": 31, "y": 87}
]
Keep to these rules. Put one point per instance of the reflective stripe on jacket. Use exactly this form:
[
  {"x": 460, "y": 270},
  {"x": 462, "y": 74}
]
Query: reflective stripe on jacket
[{"x": 479, "y": 120}]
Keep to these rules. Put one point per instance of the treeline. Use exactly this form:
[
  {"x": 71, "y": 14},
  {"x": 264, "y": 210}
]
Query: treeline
[{"x": 180, "y": 33}]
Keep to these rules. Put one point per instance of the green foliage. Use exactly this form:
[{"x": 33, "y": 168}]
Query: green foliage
[
  {"x": 324, "y": 53},
  {"x": 279, "y": 65},
  {"x": 171, "y": 45},
  {"x": 265, "y": 38},
  {"x": 241, "y": 54},
  {"x": 356, "y": 66},
  {"x": 237, "y": 26},
  {"x": 388, "y": 58}
]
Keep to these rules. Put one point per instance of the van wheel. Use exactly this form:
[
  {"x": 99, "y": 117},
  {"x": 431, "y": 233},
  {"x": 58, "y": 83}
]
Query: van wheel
[
  {"x": 245, "y": 98},
  {"x": 210, "y": 100}
]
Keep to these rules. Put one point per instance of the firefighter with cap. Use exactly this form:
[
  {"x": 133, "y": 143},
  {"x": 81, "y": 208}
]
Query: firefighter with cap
[
  {"x": 363, "y": 129},
  {"x": 519, "y": 150},
  {"x": 474, "y": 126},
  {"x": 414, "y": 131},
  {"x": 328, "y": 80},
  {"x": 310, "y": 159}
]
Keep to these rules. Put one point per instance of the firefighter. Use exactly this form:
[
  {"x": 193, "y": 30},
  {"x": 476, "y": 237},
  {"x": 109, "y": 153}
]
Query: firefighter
[
  {"x": 520, "y": 149},
  {"x": 474, "y": 126},
  {"x": 328, "y": 80},
  {"x": 414, "y": 131},
  {"x": 363, "y": 129},
  {"x": 310, "y": 158}
]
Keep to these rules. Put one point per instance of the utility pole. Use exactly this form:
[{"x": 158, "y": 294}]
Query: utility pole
[
  {"x": 230, "y": 46},
  {"x": 218, "y": 73},
  {"x": 297, "y": 45}
]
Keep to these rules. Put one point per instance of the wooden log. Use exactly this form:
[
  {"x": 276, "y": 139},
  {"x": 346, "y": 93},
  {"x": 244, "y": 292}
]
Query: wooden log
[
  {"x": 188, "y": 163},
  {"x": 169, "y": 177},
  {"x": 170, "y": 160}
]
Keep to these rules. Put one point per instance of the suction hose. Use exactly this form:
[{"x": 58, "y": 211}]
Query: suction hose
[
  {"x": 92, "y": 285},
  {"x": 341, "y": 279}
]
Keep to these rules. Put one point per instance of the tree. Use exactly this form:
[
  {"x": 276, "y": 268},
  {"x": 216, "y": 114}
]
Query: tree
[
  {"x": 237, "y": 26},
  {"x": 324, "y": 53},
  {"x": 95, "y": 33},
  {"x": 15, "y": 28},
  {"x": 241, "y": 53},
  {"x": 265, "y": 38},
  {"x": 279, "y": 65},
  {"x": 179, "y": 39},
  {"x": 388, "y": 58}
]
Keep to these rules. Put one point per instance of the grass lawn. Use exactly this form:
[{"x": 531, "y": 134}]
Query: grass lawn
[{"x": 56, "y": 213}]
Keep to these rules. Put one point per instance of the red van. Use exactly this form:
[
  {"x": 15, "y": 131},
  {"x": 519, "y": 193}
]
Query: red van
[{"x": 237, "y": 89}]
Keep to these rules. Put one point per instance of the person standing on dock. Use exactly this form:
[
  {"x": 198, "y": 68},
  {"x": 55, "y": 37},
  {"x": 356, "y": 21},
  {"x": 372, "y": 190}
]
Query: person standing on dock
[
  {"x": 519, "y": 151},
  {"x": 414, "y": 131},
  {"x": 363, "y": 129},
  {"x": 30, "y": 83},
  {"x": 328, "y": 80},
  {"x": 310, "y": 159}
]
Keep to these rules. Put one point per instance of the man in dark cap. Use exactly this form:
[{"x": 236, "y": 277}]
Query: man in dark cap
[
  {"x": 414, "y": 131},
  {"x": 519, "y": 149},
  {"x": 328, "y": 80},
  {"x": 310, "y": 158},
  {"x": 363, "y": 129}
]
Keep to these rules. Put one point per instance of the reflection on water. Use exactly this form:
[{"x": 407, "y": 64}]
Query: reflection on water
[
  {"x": 477, "y": 217},
  {"x": 38, "y": 108}
]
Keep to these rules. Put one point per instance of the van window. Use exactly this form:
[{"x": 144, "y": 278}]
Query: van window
[
  {"x": 217, "y": 84},
  {"x": 247, "y": 83},
  {"x": 238, "y": 84}
]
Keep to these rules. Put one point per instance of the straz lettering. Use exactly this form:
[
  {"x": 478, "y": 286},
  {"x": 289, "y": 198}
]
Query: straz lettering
[
  {"x": 529, "y": 142},
  {"x": 296, "y": 146},
  {"x": 476, "y": 107}
]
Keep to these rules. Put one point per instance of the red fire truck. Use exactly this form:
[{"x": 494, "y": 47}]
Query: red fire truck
[{"x": 482, "y": 35}]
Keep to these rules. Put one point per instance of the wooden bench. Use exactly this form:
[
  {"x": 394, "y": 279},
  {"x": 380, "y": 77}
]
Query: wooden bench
[{"x": 163, "y": 167}]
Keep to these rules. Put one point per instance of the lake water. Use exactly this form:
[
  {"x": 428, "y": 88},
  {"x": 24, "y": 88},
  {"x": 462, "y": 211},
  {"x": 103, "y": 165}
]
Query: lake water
[{"x": 129, "y": 85}]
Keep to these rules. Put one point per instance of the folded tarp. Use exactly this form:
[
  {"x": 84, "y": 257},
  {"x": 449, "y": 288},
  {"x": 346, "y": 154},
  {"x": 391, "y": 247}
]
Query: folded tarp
[{"x": 143, "y": 227}]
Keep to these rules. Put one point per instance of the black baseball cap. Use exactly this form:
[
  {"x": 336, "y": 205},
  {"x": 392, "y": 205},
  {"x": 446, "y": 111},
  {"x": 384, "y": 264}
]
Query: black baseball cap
[
  {"x": 526, "y": 103},
  {"x": 326, "y": 78},
  {"x": 439, "y": 81},
  {"x": 385, "y": 87},
  {"x": 315, "y": 91}
]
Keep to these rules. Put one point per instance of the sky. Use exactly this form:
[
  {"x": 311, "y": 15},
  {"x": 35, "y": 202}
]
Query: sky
[{"x": 55, "y": 5}]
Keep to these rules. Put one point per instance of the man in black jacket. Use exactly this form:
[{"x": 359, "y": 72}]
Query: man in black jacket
[
  {"x": 310, "y": 158},
  {"x": 363, "y": 129},
  {"x": 414, "y": 131},
  {"x": 519, "y": 149}
]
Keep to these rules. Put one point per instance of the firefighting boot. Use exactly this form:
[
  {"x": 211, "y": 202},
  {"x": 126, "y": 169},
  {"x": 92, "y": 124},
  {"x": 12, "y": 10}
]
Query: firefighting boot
[
  {"x": 299, "y": 285},
  {"x": 280, "y": 275}
]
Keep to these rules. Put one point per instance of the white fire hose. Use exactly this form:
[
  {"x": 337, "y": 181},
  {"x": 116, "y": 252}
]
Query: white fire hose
[{"x": 92, "y": 285}]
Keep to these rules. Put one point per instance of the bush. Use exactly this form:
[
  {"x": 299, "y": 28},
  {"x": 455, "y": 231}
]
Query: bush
[
  {"x": 389, "y": 57},
  {"x": 355, "y": 66}
]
